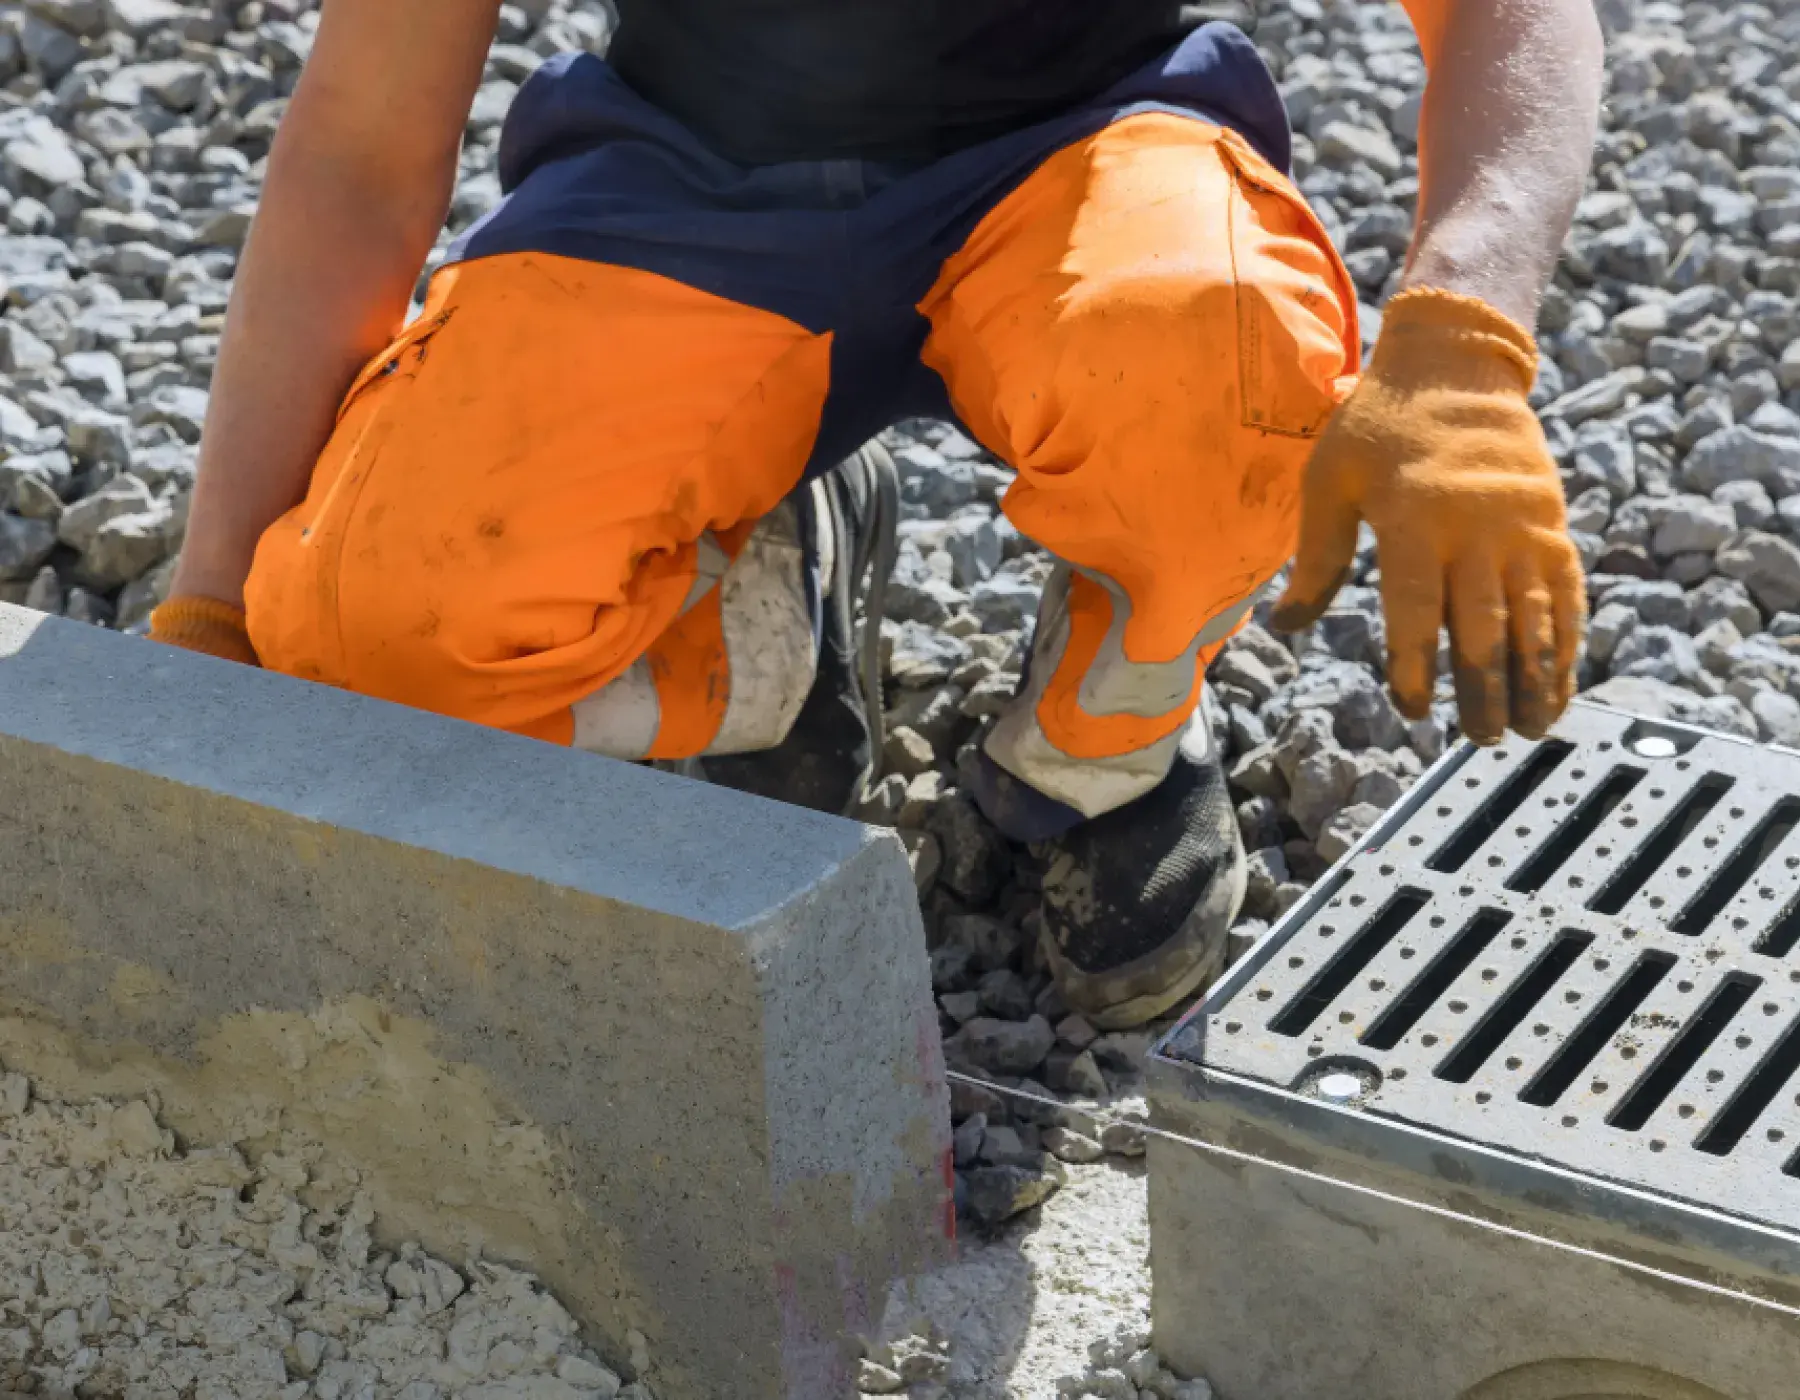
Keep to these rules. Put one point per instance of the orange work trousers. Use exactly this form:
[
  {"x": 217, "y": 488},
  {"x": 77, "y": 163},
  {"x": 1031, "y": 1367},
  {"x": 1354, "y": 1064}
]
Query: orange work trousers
[{"x": 555, "y": 504}]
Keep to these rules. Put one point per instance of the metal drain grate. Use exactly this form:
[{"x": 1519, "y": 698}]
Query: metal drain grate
[{"x": 1581, "y": 951}]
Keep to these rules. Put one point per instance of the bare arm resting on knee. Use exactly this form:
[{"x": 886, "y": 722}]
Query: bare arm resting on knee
[
  {"x": 1504, "y": 143},
  {"x": 359, "y": 181}
]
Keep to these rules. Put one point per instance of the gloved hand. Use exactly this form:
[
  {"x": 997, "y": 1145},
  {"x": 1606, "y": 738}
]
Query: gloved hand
[
  {"x": 204, "y": 625},
  {"x": 1440, "y": 452}
]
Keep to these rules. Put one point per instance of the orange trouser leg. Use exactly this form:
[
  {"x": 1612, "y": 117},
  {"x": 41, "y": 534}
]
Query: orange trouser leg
[
  {"x": 1151, "y": 329},
  {"x": 540, "y": 511}
]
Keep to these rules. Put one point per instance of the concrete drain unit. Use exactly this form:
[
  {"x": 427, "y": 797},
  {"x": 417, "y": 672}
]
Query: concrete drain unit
[{"x": 1508, "y": 1103}]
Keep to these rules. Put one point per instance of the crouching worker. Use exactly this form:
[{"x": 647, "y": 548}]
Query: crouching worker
[{"x": 593, "y": 495}]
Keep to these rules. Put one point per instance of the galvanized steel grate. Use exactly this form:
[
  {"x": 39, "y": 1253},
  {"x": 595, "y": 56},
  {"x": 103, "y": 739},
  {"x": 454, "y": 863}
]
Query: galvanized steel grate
[{"x": 1582, "y": 951}]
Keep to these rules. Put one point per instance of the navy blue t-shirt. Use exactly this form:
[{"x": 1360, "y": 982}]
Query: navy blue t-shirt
[{"x": 766, "y": 81}]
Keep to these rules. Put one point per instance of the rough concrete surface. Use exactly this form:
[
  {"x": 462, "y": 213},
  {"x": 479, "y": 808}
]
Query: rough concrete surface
[
  {"x": 132, "y": 1268},
  {"x": 671, "y": 1045}
]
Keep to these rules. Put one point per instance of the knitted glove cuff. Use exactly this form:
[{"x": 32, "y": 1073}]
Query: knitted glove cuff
[
  {"x": 1423, "y": 327},
  {"x": 204, "y": 625}
]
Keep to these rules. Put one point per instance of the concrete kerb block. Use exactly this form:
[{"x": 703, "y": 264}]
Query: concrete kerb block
[{"x": 670, "y": 1046}]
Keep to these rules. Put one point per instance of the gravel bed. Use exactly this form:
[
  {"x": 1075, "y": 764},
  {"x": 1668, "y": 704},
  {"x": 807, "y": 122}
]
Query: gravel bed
[{"x": 133, "y": 137}]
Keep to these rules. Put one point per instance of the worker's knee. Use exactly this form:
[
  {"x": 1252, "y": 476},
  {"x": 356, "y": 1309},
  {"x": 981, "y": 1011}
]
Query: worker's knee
[
  {"x": 514, "y": 504},
  {"x": 1157, "y": 281}
]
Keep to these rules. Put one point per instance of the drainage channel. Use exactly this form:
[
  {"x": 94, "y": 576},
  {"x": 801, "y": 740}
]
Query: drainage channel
[{"x": 1580, "y": 951}]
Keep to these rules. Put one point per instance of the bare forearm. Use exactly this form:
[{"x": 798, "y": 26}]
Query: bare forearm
[
  {"x": 359, "y": 180},
  {"x": 323, "y": 286},
  {"x": 1505, "y": 142}
]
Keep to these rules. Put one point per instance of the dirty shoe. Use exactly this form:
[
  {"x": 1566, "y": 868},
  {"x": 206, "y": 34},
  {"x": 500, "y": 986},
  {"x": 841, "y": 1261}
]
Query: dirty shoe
[
  {"x": 831, "y": 756},
  {"x": 1138, "y": 902}
]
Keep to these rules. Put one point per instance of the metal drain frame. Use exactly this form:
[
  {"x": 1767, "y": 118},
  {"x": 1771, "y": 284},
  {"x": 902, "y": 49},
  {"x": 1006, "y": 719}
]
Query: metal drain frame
[{"x": 1225, "y": 1074}]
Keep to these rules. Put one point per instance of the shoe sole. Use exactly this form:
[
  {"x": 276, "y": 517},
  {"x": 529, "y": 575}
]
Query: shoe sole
[{"x": 1123, "y": 998}]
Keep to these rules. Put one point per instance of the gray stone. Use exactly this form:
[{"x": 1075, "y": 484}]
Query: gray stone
[
  {"x": 975, "y": 855},
  {"x": 1750, "y": 503},
  {"x": 1715, "y": 644},
  {"x": 97, "y": 373},
  {"x": 23, "y": 352},
  {"x": 1694, "y": 523},
  {"x": 141, "y": 18},
  {"x": 1362, "y": 714},
  {"x": 1343, "y": 143},
  {"x": 24, "y": 545},
  {"x": 1777, "y": 717},
  {"x": 1241, "y": 668},
  {"x": 1741, "y": 453},
  {"x": 973, "y": 545},
  {"x": 1634, "y": 252},
  {"x": 1605, "y": 457},
  {"x": 1322, "y": 784},
  {"x": 1723, "y": 598},
  {"x": 1768, "y": 565},
  {"x": 1657, "y": 602},
  {"x": 1266, "y": 871},
  {"x": 1009, "y": 1048},
  {"x": 40, "y": 158},
  {"x": 1661, "y": 653},
  {"x": 1609, "y": 624},
  {"x": 997, "y": 1194},
  {"x": 923, "y": 656},
  {"x": 1591, "y": 511},
  {"x": 1345, "y": 829},
  {"x": 1259, "y": 772},
  {"x": 1004, "y": 995},
  {"x": 1006, "y": 601},
  {"x": 1641, "y": 695}
]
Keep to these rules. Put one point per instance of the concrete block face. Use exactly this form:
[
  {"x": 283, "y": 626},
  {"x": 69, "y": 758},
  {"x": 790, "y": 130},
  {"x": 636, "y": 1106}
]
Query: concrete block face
[
  {"x": 670, "y": 1046},
  {"x": 1555, "y": 988}
]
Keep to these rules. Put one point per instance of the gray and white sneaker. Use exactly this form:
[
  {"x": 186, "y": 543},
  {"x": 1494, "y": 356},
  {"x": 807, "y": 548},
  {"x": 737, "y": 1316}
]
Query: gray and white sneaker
[{"x": 831, "y": 757}]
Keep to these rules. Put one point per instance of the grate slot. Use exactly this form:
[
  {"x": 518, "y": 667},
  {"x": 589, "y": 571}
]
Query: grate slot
[
  {"x": 1342, "y": 970},
  {"x": 1462, "y": 1064},
  {"x": 1779, "y": 941},
  {"x": 1770, "y": 832},
  {"x": 1592, "y": 1036},
  {"x": 1756, "y": 1094},
  {"x": 1404, "y": 1014},
  {"x": 1572, "y": 834},
  {"x": 1526, "y": 779},
  {"x": 1676, "y": 828},
  {"x": 1695, "y": 1039}
]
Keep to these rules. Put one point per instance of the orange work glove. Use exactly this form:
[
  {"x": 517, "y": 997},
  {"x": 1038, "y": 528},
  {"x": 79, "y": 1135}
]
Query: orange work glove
[
  {"x": 204, "y": 625},
  {"x": 1440, "y": 452}
]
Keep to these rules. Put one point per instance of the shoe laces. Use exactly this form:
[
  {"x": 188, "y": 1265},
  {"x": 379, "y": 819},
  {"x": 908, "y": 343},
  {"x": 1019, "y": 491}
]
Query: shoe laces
[{"x": 860, "y": 574}]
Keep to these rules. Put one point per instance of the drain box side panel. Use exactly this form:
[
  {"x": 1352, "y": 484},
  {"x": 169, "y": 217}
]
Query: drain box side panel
[{"x": 1280, "y": 1288}]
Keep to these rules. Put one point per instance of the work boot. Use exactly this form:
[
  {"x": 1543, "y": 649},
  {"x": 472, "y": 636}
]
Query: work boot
[
  {"x": 832, "y": 756},
  {"x": 1138, "y": 901}
]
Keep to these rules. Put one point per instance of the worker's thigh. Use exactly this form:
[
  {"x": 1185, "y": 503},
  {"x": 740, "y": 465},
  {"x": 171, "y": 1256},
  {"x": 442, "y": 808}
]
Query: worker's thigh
[
  {"x": 1152, "y": 329},
  {"x": 536, "y": 491}
]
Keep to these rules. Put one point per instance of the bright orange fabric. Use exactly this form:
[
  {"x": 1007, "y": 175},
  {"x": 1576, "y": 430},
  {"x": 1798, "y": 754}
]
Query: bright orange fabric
[
  {"x": 1152, "y": 329},
  {"x": 506, "y": 516},
  {"x": 204, "y": 625},
  {"x": 1430, "y": 18},
  {"x": 1440, "y": 452}
]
